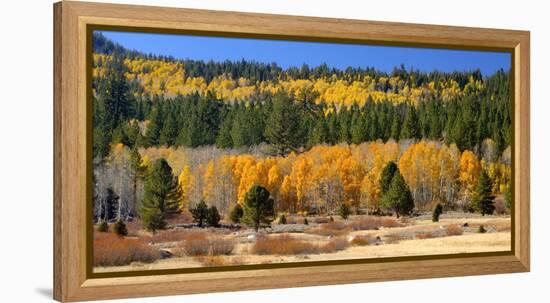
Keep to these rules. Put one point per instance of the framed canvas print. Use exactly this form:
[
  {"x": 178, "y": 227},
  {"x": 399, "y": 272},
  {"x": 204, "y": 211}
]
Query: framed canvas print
[{"x": 201, "y": 151}]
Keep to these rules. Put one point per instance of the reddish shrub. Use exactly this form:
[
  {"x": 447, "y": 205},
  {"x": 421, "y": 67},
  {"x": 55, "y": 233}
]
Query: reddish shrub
[
  {"x": 287, "y": 245},
  {"x": 389, "y": 222},
  {"x": 113, "y": 250},
  {"x": 395, "y": 238},
  {"x": 221, "y": 246},
  {"x": 425, "y": 235},
  {"x": 321, "y": 220},
  {"x": 194, "y": 244},
  {"x": 201, "y": 244},
  {"x": 334, "y": 245},
  {"x": 336, "y": 228},
  {"x": 283, "y": 245},
  {"x": 361, "y": 240},
  {"x": 370, "y": 223},
  {"x": 454, "y": 230}
]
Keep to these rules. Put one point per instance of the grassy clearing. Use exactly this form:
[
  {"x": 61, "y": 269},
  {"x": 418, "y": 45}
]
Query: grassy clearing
[{"x": 357, "y": 237}]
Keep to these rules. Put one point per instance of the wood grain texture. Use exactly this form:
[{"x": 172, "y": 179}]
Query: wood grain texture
[{"x": 70, "y": 116}]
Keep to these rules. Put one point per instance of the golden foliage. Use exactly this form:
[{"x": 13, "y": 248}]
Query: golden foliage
[{"x": 168, "y": 78}]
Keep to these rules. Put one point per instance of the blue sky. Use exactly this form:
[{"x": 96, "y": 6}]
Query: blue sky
[{"x": 296, "y": 53}]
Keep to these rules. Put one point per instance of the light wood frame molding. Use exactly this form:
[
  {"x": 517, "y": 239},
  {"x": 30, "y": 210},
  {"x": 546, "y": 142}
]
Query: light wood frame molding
[{"x": 71, "y": 111}]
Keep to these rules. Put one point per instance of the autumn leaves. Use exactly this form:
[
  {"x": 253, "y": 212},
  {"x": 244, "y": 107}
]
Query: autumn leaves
[{"x": 326, "y": 176}]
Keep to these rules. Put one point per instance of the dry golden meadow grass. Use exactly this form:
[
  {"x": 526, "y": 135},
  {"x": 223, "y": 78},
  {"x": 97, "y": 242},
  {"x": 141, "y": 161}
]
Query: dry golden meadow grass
[{"x": 329, "y": 241}]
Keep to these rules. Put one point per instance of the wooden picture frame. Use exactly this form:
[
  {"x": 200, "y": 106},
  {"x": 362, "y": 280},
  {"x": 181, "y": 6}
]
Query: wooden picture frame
[{"x": 73, "y": 280}]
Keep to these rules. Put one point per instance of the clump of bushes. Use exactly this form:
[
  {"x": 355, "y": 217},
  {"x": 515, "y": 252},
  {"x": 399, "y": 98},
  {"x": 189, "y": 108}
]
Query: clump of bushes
[
  {"x": 213, "y": 217},
  {"x": 194, "y": 243},
  {"x": 396, "y": 237},
  {"x": 283, "y": 245},
  {"x": 120, "y": 228},
  {"x": 103, "y": 226},
  {"x": 344, "y": 211},
  {"x": 236, "y": 214},
  {"x": 287, "y": 245},
  {"x": 454, "y": 230},
  {"x": 113, "y": 250},
  {"x": 481, "y": 229},
  {"x": 200, "y": 212},
  {"x": 426, "y": 235},
  {"x": 282, "y": 219},
  {"x": 201, "y": 244},
  {"x": 361, "y": 240},
  {"x": 373, "y": 223},
  {"x": 220, "y": 246},
  {"x": 306, "y": 222},
  {"x": 334, "y": 245},
  {"x": 438, "y": 210},
  {"x": 335, "y": 228}
]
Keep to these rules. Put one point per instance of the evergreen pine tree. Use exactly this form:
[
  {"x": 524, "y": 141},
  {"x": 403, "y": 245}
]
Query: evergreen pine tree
[
  {"x": 344, "y": 211},
  {"x": 483, "y": 200},
  {"x": 114, "y": 94},
  {"x": 169, "y": 131},
  {"x": 258, "y": 207},
  {"x": 236, "y": 213},
  {"x": 161, "y": 196},
  {"x": 411, "y": 126},
  {"x": 103, "y": 227},
  {"x": 344, "y": 126},
  {"x": 398, "y": 198},
  {"x": 213, "y": 217},
  {"x": 153, "y": 128},
  {"x": 387, "y": 176},
  {"x": 438, "y": 209},
  {"x": 200, "y": 212},
  {"x": 120, "y": 229},
  {"x": 224, "y": 139},
  {"x": 283, "y": 129},
  {"x": 358, "y": 130},
  {"x": 110, "y": 205},
  {"x": 395, "y": 127}
]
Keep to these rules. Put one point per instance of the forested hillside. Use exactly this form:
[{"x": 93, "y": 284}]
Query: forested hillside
[{"x": 315, "y": 137}]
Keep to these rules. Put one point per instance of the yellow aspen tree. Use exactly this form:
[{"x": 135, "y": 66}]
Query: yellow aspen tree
[
  {"x": 470, "y": 168},
  {"x": 287, "y": 195},
  {"x": 301, "y": 170},
  {"x": 249, "y": 177},
  {"x": 186, "y": 183},
  {"x": 351, "y": 175},
  {"x": 274, "y": 180}
]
